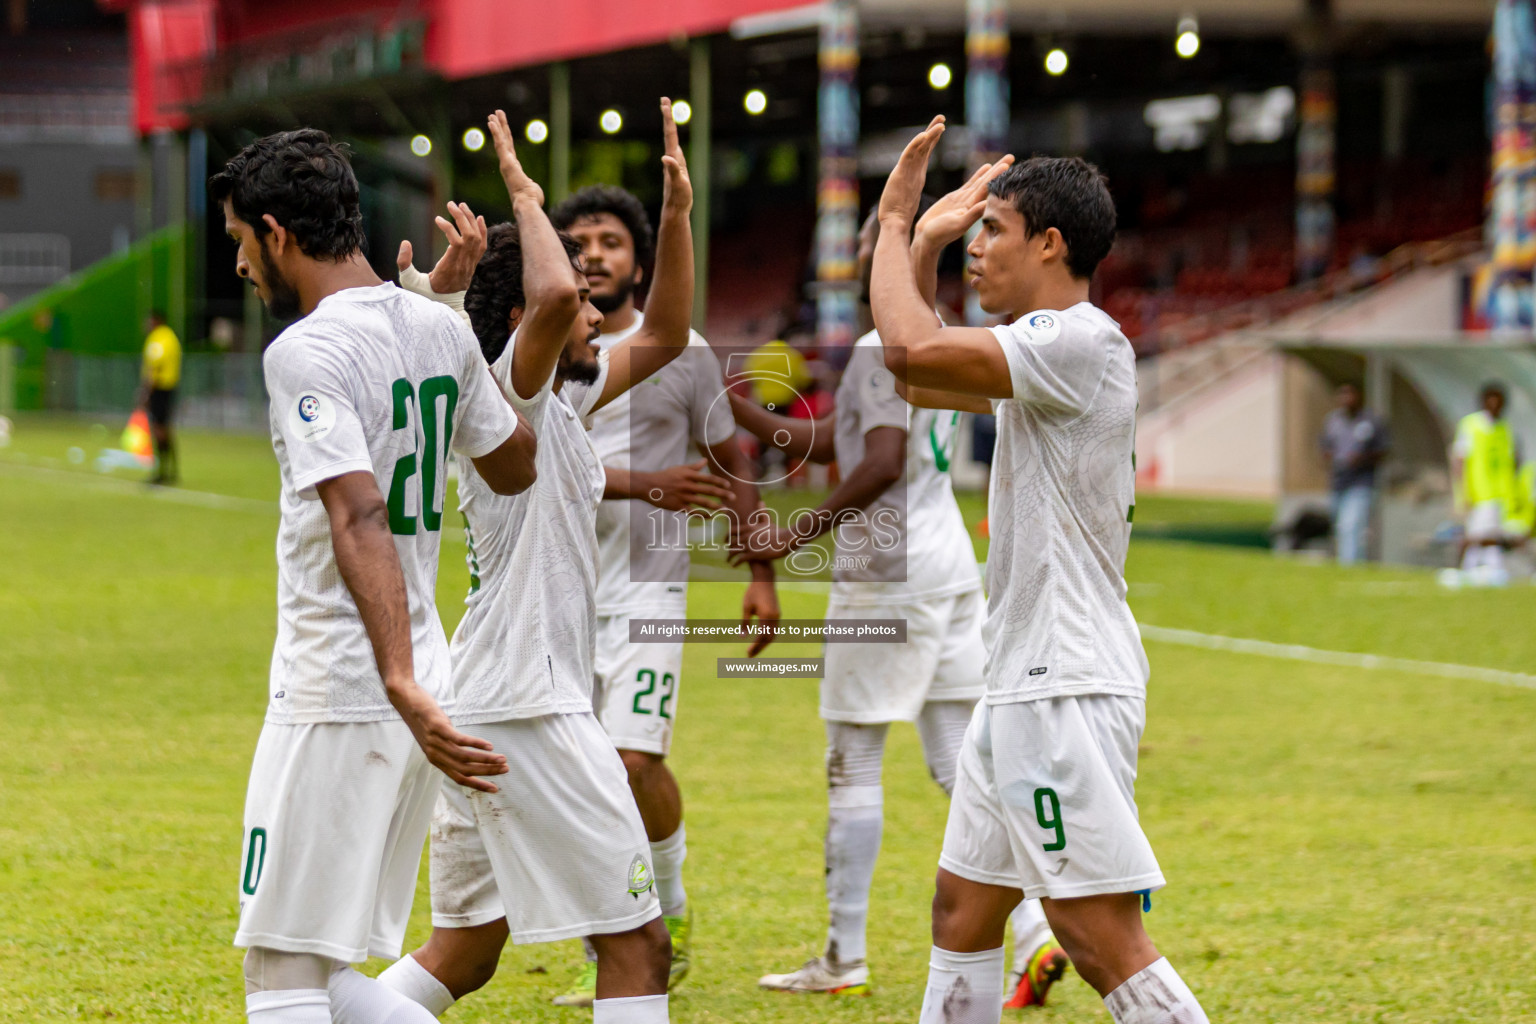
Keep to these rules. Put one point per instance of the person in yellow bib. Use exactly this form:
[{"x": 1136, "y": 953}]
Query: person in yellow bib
[
  {"x": 159, "y": 379},
  {"x": 1485, "y": 459}
]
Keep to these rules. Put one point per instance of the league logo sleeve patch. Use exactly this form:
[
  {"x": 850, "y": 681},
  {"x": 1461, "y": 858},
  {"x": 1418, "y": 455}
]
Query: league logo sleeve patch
[
  {"x": 1039, "y": 328},
  {"x": 311, "y": 418}
]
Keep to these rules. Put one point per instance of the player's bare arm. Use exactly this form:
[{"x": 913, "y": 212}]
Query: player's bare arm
[
  {"x": 937, "y": 398},
  {"x": 550, "y": 288},
  {"x": 669, "y": 309},
  {"x": 676, "y": 488},
  {"x": 884, "y": 462},
  {"x": 760, "y": 602},
  {"x": 370, "y": 567},
  {"x": 510, "y": 467},
  {"x": 967, "y": 360},
  {"x": 796, "y": 438},
  {"x": 466, "y": 235}
]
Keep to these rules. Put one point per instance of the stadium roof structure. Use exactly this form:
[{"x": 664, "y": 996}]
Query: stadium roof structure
[{"x": 190, "y": 53}]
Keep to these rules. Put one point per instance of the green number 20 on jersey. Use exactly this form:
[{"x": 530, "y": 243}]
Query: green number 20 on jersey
[{"x": 430, "y": 456}]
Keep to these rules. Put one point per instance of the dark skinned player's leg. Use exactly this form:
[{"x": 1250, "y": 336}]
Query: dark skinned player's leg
[{"x": 656, "y": 793}]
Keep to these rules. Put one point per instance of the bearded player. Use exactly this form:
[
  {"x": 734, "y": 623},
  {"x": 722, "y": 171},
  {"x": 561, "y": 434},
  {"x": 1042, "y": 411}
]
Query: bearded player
[
  {"x": 1044, "y": 802},
  {"x": 646, "y": 440},
  {"x": 893, "y": 466},
  {"x": 560, "y": 851},
  {"x": 371, "y": 389}
]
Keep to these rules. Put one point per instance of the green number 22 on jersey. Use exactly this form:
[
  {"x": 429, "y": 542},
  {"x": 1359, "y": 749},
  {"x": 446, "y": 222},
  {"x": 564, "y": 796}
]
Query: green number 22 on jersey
[{"x": 430, "y": 454}]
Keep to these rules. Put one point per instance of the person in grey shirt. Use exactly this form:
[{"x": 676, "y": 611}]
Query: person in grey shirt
[{"x": 1355, "y": 442}]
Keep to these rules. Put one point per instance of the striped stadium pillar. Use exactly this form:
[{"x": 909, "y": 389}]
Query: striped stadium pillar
[
  {"x": 1315, "y": 130},
  {"x": 986, "y": 98},
  {"x": 1512, "y": 216},
  {"x": 837, "y": 192}
]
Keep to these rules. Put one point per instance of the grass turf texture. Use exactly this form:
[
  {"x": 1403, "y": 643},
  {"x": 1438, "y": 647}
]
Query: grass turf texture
[{"x": 1340, "y": 845}]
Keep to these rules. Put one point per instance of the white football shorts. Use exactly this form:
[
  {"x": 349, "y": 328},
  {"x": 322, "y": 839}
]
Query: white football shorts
[
  {"x": 943, "y": 659},
  {"x": 1486, "y": 522},
  {"x": 560, "y": 851},
  {"x": 336, "y": 814},
  {"x": 634, "y": 689},
  {"x": 1045, "y": 802}
]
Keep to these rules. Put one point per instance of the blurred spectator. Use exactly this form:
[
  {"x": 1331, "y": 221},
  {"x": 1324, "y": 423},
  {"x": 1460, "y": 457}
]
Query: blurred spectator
[
  {"x": 1355, "y": 442},
  {"x": 157, "y": 393},
  {"x": 1484, "y": 475}
]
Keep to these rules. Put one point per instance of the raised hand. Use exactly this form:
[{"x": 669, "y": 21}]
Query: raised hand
[
  {"x": 952, "y": 216},
  {"x": 466, "y": 244},
  {"x": 677, "y": 189},
  {"x": 519, "y": 185},
  {"x": 904, "y": 188}
]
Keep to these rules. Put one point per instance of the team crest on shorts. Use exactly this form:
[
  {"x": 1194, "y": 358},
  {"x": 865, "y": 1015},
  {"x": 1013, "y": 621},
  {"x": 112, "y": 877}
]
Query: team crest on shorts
[{"x": 640, "y": 880}]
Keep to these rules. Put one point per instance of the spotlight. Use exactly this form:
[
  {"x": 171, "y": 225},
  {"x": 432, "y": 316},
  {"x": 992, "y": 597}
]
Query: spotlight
[
  {"x": 421, "y": 145},
  {"x": 1056, "y": 62},
  {"x": 682, "y": 111},
  {"x": 1187, "y": 43},
  {"x": 756, "y": 101},
  {"x": 611, "y": 121},
  {"x": 474, "y": 140},
  {"x": 939, "y": 76},
  {"x": 536, "y": 131}
]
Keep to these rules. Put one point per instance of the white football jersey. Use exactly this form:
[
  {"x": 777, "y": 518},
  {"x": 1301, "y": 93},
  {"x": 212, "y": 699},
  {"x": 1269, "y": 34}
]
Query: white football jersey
[
  {"x": 380, "y": 381},
  {"x": 661, "y": 422},
  {"x": 525, "y": 645},
  {"x": 910, "y": 543},
  {"x": 1063, "y": 487}
]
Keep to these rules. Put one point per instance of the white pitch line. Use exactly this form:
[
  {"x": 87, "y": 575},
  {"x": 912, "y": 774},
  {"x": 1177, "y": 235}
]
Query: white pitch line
[
  {"x": 174, "y": 495},
  {"x": 1343, "y": 659}
]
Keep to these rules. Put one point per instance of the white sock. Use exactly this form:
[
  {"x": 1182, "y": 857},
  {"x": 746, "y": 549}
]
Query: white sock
[
  {"x": 630, "y": 1010},
  {"x": 855, "y": 816},
  {"x": 667, "y": 859},
  {"x": 1155, "y": 995},
  {"x": 289, "y": 1006},
  {"x": 1030, "y": 931},
  {"x": 964, "y": 988},
  {"x": 417, "y": 984},
  {"x": 359, "y": 999}
]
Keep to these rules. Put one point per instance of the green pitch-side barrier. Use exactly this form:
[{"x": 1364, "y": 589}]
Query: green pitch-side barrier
[{"x": 96, "y": 311}]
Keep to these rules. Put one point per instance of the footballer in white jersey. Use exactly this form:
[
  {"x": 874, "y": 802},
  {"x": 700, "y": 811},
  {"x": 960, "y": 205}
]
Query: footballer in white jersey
[
  {"x": 902, "y": 552},
  {"x": 371, "y": 391},
  {"x": 1044, "y": 801},
  {"x": 560, "y": 850},
  {"x": 667, "y": 445}
]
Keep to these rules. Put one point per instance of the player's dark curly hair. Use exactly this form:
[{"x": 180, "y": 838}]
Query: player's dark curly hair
[
  {"x": 305, "y": 182},
  {"x": 596, "y": 199},
  {"x": 497, "y": 287},
  {"x": 1068, "y": 194}
]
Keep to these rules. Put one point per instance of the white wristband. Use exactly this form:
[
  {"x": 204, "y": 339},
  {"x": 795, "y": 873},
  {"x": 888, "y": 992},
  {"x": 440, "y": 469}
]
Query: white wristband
[{"x": 413, "y": 280}]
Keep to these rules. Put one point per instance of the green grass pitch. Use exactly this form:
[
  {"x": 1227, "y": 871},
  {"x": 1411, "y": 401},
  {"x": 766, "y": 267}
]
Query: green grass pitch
[{"x": 1341, "y": 845}]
